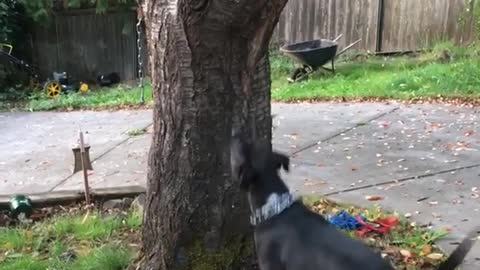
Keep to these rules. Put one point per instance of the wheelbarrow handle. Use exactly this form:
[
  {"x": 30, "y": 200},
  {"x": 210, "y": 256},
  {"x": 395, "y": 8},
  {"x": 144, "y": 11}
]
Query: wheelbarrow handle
[
  {"x": 337, "y": 38},
  {"x": 348, "y": 47},
  {"x": 10, "y": 47}
]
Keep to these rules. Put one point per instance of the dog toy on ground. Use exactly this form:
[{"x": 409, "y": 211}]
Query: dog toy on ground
[
  {"x": 345, "y": 221},
  {"x": 381, "y": 226}
]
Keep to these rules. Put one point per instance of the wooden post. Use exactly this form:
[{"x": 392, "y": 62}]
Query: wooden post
[
  {"x": 84, "y": 168},
  {"x": 380, "y": 22}
]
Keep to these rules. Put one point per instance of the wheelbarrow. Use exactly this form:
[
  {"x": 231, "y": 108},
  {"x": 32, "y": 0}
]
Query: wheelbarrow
[{"x": 313, "y": 55}]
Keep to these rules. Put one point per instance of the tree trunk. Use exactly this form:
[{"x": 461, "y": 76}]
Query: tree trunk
[{"x": 210, "y": 71}]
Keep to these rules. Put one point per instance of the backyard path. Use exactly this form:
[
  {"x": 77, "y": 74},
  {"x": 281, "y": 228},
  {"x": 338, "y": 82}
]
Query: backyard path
[{"x": 423, "y": 160}]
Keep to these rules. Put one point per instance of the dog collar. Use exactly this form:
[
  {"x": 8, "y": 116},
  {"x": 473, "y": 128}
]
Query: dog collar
[{"x": 275, "y": 204}]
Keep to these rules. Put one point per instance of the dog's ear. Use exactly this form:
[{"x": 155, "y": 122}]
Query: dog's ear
[
  {"x": 280, "y": 161},
  {"x": 241, "y": 160}
]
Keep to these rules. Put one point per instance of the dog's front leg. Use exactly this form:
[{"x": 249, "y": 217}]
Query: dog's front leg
[{"x": 269, "y": 257}]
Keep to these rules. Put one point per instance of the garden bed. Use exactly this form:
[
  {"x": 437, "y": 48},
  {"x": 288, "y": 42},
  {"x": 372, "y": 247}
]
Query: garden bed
[{"x": 108, "y": 237}]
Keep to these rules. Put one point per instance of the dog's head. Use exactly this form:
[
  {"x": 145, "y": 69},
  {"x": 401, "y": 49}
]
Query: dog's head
[{"x": 256, "y": 167}]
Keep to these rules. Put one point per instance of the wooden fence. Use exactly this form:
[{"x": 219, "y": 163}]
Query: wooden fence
[
  {"x": 85, "y": 44},
  {"x": 383, "y": 25}
]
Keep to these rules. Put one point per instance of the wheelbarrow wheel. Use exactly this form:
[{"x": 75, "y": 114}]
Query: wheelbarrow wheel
[
  {"x": 299, "y": 74},
  {"x": 53, "y": 88}
]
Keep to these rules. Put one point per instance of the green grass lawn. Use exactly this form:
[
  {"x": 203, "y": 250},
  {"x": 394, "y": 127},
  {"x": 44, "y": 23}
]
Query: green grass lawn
[
  {"x": 67, "y": 242},
  {"x": 102, "y": 98},
  {"x": 118, "y": 97},
  {"x": 406, "y": 77}
]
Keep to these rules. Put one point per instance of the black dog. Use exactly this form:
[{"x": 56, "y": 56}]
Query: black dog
[
  {"x": 108, "y": 79},
  {"x": 288, "y": 236}
]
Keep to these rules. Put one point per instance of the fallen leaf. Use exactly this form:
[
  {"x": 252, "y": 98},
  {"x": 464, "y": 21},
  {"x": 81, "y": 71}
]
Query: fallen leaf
[
  {"x": 374, "y": 198},
  {"x": 385, "y": 124},
  {"x": 315, "y": 183},
  {"x": 321, "y": 165},
  {"x": 405, "y": 253},
  {"x": 422, "y": 199},
  {"x": 390, "y": 250},
  {"x": 435, "y": 256},
  {"x": 426, "y": 250},
  {"x": 455, "y": 201}
]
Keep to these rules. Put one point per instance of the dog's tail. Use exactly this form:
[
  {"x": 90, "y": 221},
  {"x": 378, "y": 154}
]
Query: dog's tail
[{"x": 459, "y": 254}]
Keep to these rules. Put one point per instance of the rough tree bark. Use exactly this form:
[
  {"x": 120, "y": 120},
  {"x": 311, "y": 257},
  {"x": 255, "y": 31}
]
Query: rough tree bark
[{"x": 210, "y": 70}]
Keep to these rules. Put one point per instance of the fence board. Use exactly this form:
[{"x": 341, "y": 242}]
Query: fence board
[
  {"x": 44, "y": 53},
  {"x": 413, "y": 24}
]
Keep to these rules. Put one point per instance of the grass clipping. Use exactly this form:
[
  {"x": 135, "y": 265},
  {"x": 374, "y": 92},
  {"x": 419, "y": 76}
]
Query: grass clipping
[{"x": 407, "y": 245}]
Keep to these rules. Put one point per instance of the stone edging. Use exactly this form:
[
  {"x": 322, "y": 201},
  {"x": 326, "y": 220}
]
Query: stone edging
[{"x": 67, "y": 196}]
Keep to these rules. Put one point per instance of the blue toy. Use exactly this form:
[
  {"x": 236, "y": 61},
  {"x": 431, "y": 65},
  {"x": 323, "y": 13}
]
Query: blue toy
[{"x": 345, "y": 221}]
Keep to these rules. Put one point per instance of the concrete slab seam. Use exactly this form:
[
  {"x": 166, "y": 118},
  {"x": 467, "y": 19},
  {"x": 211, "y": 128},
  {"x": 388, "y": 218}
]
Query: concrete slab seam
[
  {"x": 345, "y": 130},
  {"x": 411, "y": 178}
]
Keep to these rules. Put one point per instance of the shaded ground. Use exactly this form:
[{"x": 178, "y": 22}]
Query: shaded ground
[{"x": 422, "y": 160}]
